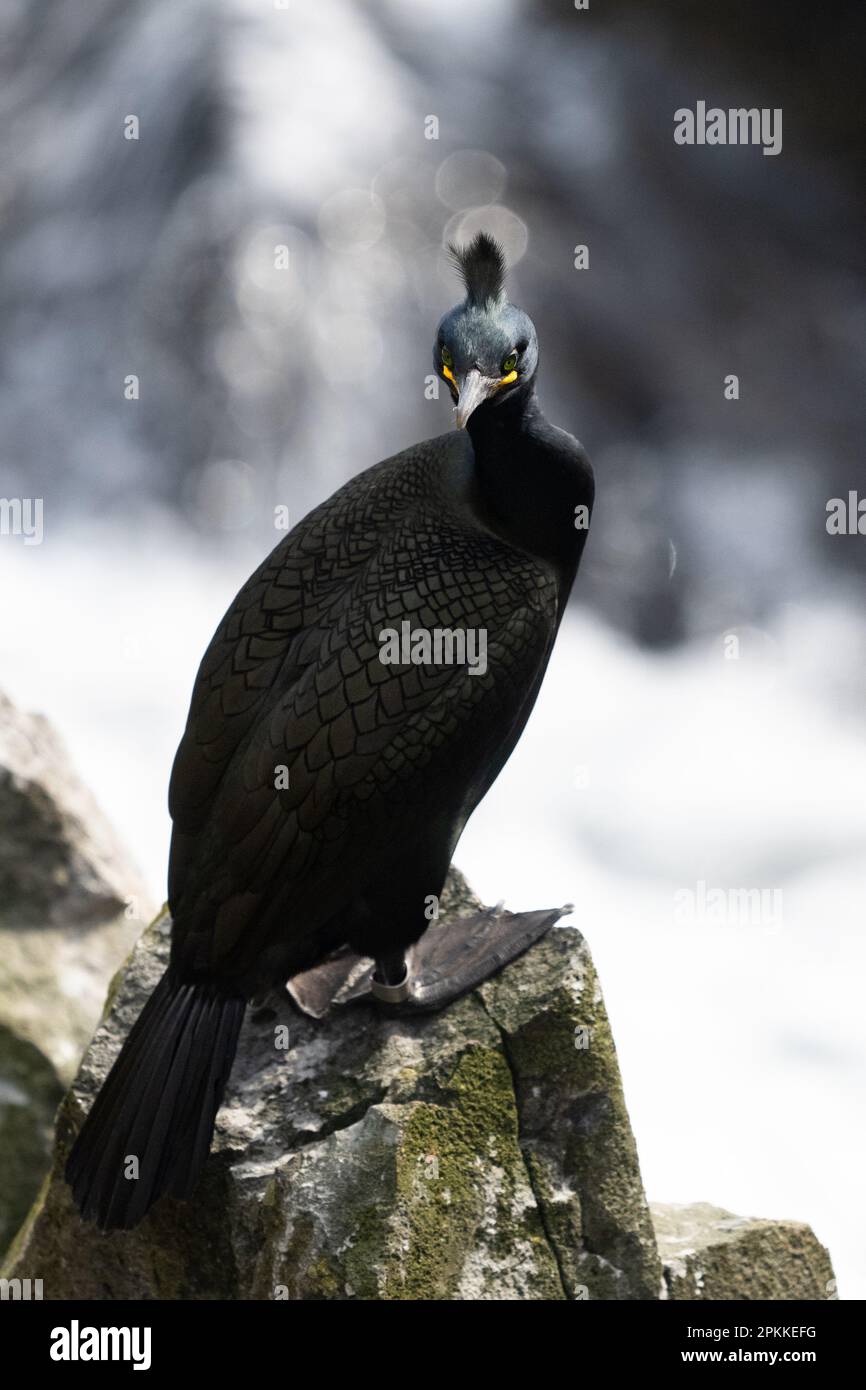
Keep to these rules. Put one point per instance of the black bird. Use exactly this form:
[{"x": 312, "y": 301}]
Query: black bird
[{"x": 318, "y": 791}]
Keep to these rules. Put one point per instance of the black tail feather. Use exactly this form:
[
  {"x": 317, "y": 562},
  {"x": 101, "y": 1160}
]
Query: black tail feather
[{"x": 158, "y": 1104}]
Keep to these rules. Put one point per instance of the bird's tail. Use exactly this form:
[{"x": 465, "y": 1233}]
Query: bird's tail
[{"x": 157, "y": 1105}]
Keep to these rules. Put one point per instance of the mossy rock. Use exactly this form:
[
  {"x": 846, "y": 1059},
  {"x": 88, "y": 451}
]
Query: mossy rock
[
  {"x": 709, "y": 1253},
  {"x": 481, "y": 1153},
  {"x": 383, "y": 1158}
]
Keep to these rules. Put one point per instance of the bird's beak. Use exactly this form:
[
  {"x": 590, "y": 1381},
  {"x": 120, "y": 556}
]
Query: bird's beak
[{"x": 472, "y": 390}]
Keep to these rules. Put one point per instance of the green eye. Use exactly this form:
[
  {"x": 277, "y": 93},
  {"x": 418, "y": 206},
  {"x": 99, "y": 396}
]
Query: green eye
[
  {"x": 509, "y": 363},
  {"x": 447, "y": 359}
]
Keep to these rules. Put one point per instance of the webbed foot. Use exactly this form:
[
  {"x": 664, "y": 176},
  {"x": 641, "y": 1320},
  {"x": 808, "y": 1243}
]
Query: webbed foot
[{"x": 452, "y": 958}]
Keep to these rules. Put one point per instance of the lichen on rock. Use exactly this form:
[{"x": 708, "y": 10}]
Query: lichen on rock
[
  {"x": 71, "y": 907},
  {"x": 480, "y": 1153},
  {"x": 709, "y": 1253},
  {"x": 476, "y": 1153}
]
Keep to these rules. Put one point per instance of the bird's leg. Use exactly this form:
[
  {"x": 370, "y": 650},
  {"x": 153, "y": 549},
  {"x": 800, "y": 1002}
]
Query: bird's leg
[
  {"x": 390, "y": 982},
  {"x": 454, "y": 956}
]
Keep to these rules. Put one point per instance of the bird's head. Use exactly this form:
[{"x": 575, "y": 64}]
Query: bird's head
[{"x": 486, "y": 349}]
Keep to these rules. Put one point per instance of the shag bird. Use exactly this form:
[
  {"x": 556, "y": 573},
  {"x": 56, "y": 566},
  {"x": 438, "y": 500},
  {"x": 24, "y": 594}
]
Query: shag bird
[{"x": 325, "y": 774}]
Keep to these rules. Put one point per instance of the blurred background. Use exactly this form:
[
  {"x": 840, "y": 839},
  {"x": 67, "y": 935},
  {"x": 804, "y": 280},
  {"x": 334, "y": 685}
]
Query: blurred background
[{"x": 655, "y": 760}]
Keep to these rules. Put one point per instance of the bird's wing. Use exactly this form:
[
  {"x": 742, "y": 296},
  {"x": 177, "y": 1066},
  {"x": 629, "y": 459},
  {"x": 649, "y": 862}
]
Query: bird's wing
[
  {"x": 269, "y": 635},
  {"x": 271, "y": 631},
  {"x": 306, "y": 758}
]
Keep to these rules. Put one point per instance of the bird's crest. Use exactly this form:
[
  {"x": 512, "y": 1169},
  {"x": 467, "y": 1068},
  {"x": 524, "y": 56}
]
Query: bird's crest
[{"x": 482, "y": 266}]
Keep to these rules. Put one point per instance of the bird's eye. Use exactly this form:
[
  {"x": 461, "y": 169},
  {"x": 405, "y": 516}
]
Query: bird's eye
[
  {"x": 447, "y": 359},
  {"x": 509, "y": 363}
]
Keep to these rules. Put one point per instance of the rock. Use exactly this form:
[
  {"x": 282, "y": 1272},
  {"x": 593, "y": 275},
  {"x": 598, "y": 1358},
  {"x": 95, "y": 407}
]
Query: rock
[
  {"x": 576, "y": 1137},
  {"x": 710, "y": 1254},
  {"x": 71, "y": 907},
  {"x": 480, "y": 1153}
]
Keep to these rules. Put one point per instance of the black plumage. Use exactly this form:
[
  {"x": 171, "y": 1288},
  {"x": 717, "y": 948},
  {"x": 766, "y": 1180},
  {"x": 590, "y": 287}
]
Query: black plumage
[
  {"x": 481, "y": 265},
  {"x": 480, "y": 529}
]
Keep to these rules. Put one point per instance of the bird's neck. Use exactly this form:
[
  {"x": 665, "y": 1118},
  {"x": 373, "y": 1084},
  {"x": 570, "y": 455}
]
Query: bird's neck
[{"x": 529, "y": 479}]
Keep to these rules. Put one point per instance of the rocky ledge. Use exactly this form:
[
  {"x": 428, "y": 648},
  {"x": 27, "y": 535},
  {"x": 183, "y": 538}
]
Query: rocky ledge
[{"x": 481, "y": 1153}]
